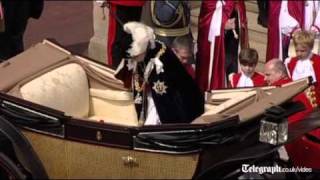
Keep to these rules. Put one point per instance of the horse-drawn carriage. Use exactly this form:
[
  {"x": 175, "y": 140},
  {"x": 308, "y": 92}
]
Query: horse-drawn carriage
[{"x": 65, "y": 116}]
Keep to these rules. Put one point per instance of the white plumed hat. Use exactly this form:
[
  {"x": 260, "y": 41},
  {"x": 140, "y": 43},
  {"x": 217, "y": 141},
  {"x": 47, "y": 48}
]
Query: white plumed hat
[{"x": 142, "y": 35}]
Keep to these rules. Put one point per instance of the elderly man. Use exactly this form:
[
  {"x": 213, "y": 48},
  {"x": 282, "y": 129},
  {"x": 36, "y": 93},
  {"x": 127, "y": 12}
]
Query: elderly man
[
  {"x": 163, "y": 90},
  {"x": 275, "y": 73},
  {"x": 302, "y": 152}
]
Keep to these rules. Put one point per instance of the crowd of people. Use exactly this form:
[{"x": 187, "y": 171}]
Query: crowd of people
[
  {"x": 168, "y": 72},
  {"x": 223, "y": 57},
  {"x": 222, "y": 34}
]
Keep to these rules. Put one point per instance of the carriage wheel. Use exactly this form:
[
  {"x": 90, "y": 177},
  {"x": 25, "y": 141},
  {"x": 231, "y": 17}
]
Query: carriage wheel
[{"x": 9, "y": 170}]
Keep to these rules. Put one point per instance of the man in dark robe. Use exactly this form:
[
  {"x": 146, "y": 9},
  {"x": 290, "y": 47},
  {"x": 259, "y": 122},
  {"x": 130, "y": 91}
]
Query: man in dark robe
[
  {"x": 16, "y": 14},
  {"x": 163, "y": 90}
]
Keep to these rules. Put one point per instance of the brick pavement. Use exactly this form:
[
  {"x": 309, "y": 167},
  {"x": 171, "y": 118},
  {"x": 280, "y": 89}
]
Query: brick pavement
[{"x": 69, "y": 22}]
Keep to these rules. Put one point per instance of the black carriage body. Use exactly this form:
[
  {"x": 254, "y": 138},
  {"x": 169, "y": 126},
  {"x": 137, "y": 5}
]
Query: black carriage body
[
  {"x": 71, "y": 147},
  {"x": 216, "y": 149}
]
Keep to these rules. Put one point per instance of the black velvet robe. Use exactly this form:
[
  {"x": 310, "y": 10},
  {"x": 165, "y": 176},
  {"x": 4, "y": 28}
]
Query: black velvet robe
[{"x": 182, "y": 101}]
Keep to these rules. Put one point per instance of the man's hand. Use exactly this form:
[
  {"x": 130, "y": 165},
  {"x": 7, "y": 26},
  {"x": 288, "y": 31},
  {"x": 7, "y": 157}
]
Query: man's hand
[{"x": 230, "y": 24}]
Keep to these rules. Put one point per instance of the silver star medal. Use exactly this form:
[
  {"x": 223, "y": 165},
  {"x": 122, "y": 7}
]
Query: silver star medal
[
  {"x": 138, "y": 99},
  {"x": 159, "y": 87}
]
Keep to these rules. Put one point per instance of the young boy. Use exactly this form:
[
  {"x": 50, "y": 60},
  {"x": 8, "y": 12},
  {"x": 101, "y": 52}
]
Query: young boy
[
  {"x": 305, "y": 64},
  {"x": 248, "y": 59},
  {"x": 304, "y": 152}
]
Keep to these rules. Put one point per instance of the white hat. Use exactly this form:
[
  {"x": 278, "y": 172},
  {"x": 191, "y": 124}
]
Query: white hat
[{"x": 142, "y": 35}]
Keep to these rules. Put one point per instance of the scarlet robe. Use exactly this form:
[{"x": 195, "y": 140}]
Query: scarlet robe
[
  {"x": 304, "y": 152},
  {"x": 315, "y": 60},
  {"x": 216, "y": 80},
  {"x": 257, "y": 79},
  {"x": 296, "y": 10}
]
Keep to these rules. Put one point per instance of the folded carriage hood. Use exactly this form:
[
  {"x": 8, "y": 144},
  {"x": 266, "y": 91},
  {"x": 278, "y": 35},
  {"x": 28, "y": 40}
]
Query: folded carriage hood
[{"x": 29, "y": 62}]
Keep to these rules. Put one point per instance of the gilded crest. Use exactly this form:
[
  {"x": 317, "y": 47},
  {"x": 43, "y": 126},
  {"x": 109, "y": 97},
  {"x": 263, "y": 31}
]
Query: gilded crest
[{"x": 159, "y": 87}]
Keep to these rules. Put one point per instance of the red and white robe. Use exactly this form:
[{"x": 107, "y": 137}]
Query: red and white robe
[
  {"x": 210, "y": 68},
  {"x": 240, "y": 80},
  {"x": 290, "y": 17},
  {"x": 303, "y": 151}
]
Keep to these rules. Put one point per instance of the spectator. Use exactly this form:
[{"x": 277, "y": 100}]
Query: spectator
[
  {"x": 312, "y": 16},
  {"x": 16, "y": 15},
  {"x": 182, "y": 46},
  {"x": 163, "y": 91},
  {"x": 124, "y": 11},
  {"x": 276, "y": 75},
  {"x": 285, "y": 18},
  {"x": 248, "y": 77},
  {"x": 302, "y": 152},
  {"x": 311, "y": 23},
  {"x": 220, "y": 22},
  {"x": 305, "y": 63}
]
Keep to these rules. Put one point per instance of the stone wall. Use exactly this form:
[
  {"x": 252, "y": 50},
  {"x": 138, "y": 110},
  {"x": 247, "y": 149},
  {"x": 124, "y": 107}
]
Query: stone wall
[{"x": 98, "y": 43}]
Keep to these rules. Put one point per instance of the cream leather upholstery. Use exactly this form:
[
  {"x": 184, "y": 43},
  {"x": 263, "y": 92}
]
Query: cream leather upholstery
[
  {"x": 113, "y": 106},
  {"x": 66, "y": 89}
]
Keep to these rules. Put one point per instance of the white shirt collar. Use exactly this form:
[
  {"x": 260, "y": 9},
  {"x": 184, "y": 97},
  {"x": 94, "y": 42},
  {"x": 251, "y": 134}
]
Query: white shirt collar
[
  {"x": 304, "y": 68},
  {"x": 245, "y": 81}
]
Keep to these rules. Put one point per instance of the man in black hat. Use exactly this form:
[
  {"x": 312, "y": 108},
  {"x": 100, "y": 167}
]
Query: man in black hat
[{"x": 163, "y": 90}]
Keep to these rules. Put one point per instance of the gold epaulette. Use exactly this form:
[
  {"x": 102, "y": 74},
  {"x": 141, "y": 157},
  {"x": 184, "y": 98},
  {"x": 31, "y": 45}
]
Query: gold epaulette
[
  {"x": 172, "y": 32},
  {"x": 311, "y": 95}
]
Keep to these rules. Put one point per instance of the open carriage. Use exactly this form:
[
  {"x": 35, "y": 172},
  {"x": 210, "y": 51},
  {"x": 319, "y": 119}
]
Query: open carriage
[{"x": 81, "y": 123}]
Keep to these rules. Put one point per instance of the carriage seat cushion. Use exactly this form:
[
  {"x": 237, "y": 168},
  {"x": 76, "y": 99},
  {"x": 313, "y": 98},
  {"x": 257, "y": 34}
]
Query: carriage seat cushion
[{"x": 65, "y": 88}]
